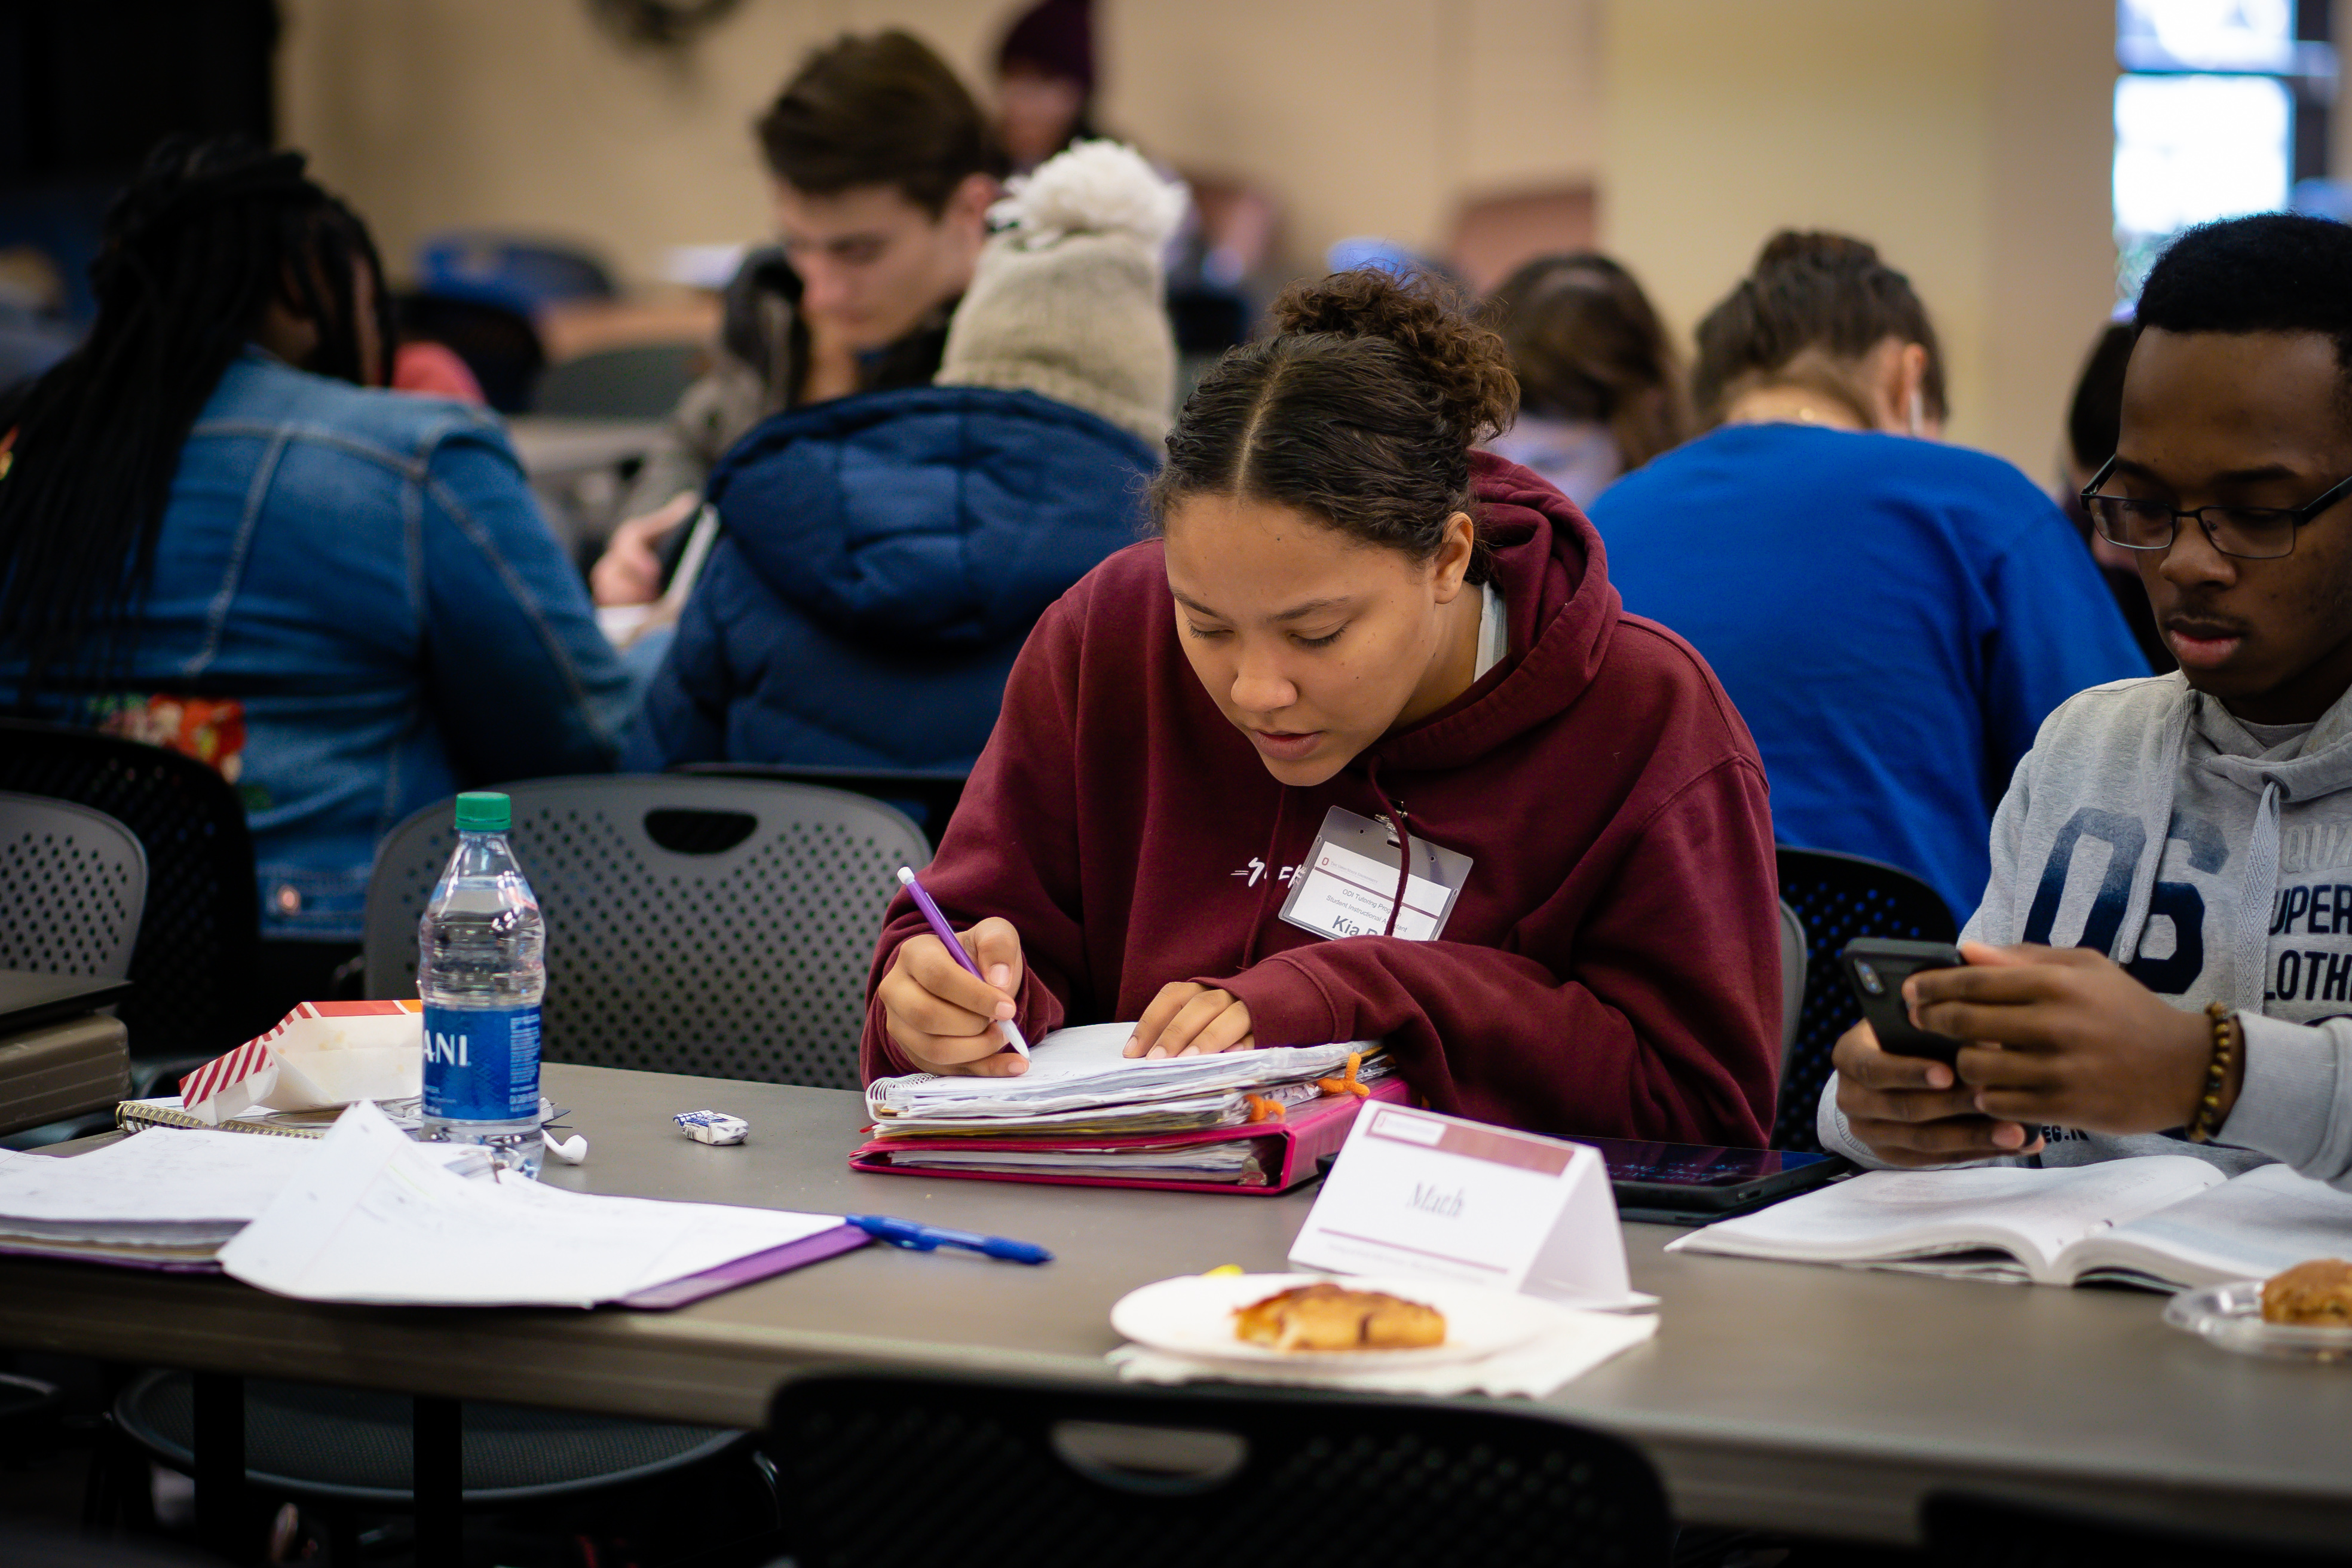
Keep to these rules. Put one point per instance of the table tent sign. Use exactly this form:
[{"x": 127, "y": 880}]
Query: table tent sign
[{"x": 1437, "y": 1198}]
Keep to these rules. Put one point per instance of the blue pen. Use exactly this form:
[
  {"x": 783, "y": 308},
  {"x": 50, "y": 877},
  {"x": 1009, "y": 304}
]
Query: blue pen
[
  {"x": 945, "y": 934},
  {"x": 916, "y": 1237}
]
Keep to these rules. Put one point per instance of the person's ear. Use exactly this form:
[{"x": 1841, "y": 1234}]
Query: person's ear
[
  {"x": 1919, "y": 418},
  {"x": 1450, "y": 566},
  {"x": 969, "y": 203}
]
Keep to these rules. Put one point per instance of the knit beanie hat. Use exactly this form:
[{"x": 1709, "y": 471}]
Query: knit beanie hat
[
  {"x": 1065, "y": 301},
  {"x": 1056, "y": 38}
]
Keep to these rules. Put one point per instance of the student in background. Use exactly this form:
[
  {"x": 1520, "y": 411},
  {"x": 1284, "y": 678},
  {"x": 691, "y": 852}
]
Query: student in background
[
  {"x": 2091, "y": 421},
  {"x": 1893, "y": 615},
  {"x": 1349, "y": 611},
  {"x": 882, "y": 168},
  {"x": 218, "y": 534},
  {"x": 1045, "y": 81},
  {"x": 1047, "y": 77},
  {"x": 1600, "y": 388},
  {"x": 2183, "y": 843},
  {"x": 885, "y": 557}
]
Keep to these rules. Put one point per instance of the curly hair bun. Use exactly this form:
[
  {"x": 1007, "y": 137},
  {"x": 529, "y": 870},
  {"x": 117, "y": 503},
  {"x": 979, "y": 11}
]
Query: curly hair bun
[{"x": 1464, "y": 364}]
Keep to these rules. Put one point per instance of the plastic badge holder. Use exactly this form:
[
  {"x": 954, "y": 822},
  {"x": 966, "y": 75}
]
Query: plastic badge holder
[{"x": 2231, "y": 1316}]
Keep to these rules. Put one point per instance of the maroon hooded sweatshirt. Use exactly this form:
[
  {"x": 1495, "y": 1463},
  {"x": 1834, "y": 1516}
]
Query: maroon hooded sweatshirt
[{"x": 1612, "y": 966}]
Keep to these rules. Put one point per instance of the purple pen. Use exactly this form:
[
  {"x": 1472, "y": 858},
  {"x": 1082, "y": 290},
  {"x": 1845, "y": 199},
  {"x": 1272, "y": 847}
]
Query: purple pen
[{"x": 945, "y": 934}]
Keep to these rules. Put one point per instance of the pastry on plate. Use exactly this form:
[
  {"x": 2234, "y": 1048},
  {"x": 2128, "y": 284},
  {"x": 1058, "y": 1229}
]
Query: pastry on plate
[
  {"x": 1330, "y": 1317},
  {"x": 2318, "y": 1294}
]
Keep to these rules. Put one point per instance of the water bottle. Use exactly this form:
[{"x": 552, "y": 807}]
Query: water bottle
[{"x": 481, "y": 969}]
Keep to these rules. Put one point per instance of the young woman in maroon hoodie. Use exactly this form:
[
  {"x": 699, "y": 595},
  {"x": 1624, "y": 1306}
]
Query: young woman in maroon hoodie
[{"x": 1350, "y": 608}]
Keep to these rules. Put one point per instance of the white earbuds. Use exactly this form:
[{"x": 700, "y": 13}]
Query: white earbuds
[{"x": 571, "y": 1150}]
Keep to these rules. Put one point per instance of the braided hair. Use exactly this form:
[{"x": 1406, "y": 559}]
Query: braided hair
[{"x": 193, "y": 255}]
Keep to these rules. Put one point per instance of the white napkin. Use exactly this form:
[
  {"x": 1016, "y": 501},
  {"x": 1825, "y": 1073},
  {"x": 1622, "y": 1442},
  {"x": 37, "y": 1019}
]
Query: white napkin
[{"x": 1552, "y": 1359}]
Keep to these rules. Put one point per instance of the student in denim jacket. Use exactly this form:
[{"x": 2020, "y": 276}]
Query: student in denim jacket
[{"x": 218, "y": 533}]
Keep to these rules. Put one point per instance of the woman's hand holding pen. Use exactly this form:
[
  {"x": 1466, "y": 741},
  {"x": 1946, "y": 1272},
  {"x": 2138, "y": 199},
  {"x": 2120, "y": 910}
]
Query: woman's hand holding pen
[
  {"x": 1191, "y": 1020},
  {"x": 944, "y": 1018}
]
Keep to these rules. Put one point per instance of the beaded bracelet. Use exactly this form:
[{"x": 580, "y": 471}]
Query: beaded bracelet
[{"x": 2201, "y": 1127}]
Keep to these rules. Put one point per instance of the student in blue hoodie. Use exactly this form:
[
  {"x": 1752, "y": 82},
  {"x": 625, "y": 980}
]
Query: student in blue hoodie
[
  {"x": 1893, "y": 616},
  {"x": 885, "y": 555}
]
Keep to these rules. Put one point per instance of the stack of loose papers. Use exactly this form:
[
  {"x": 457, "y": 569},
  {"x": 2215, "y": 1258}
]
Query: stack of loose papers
[
  {"x": 1086, "y": 1110},
  {"x": 161, "y": 1201},
  {"x": 372, "y": 1218},
  {"x": 1081, "y": 1080},
  {"x": 365, "y": 1214}
]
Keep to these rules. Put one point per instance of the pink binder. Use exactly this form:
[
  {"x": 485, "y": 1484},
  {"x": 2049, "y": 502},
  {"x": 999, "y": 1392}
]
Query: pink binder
[{"x": 1290, "y": 1148}]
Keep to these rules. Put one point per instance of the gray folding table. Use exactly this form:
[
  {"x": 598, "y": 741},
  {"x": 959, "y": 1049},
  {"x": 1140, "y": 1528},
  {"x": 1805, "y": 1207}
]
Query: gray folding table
[{"x": 1775, "y": 1395}]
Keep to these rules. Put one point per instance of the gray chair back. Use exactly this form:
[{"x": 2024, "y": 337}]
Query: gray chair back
[
  {"x": 712, "y": 926},
  {"x": 1792, "y": 979},
  {"x": 73, "y": 885}
]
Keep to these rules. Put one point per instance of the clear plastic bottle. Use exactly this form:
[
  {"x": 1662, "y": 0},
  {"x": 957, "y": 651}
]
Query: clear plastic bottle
[{"x": 481, "y": 969}]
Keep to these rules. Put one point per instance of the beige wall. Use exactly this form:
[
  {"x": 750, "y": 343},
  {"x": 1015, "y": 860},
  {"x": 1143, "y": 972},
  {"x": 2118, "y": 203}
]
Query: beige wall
[
  {"x": 1968, "y": 139},
  {"x": 433, "y": 113}
]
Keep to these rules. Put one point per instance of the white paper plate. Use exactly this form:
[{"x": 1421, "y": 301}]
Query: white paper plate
[
  {"x": 1193, "y": 1316},
  {"x": 2231, "y": 1316}
]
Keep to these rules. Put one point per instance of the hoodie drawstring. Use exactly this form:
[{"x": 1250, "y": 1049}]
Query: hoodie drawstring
[
  {"x": 1404, "y": 844},
  {"x": 2255, "y": 899}
]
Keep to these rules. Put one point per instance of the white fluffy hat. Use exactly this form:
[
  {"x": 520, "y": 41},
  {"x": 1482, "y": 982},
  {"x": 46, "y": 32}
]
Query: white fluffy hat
[{"x": 1067, "y": 299}]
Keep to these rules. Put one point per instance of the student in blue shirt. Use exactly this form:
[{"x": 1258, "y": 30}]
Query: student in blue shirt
[{"x": 1893, "y": 616}]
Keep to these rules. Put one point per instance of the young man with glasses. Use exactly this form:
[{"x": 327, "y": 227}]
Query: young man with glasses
[{"x": 2163, "y": 960}]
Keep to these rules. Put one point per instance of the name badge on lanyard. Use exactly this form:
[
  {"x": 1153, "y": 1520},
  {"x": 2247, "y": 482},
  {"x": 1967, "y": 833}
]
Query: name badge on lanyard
[{"x": 1349, "y": 884}]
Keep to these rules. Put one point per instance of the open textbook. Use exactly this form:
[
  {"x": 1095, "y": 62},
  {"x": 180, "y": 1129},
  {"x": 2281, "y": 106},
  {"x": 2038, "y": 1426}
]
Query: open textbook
[{"x": 2161, "y": 1222}]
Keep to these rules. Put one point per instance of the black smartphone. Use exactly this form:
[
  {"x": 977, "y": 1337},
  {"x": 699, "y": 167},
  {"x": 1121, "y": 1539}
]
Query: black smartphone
[{"x": 1876, "y": 968}]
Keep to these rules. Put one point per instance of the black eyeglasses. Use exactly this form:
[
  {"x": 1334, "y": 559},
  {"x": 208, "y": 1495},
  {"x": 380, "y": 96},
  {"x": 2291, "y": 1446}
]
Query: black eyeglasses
[{"x": 2250, "y": 532}]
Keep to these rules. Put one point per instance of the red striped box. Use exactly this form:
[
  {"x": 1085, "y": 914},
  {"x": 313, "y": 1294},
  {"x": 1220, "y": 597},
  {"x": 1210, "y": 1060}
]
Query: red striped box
[{"x": 257, "y": 1070}]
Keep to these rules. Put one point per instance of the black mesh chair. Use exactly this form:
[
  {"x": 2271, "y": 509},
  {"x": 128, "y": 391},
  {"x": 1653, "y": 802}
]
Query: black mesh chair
[
  {"x": 929, "y": 796},
  {"x": 197, "y": 973},
  {"x": 1839, "y": 897},
  {"x": 715, "y": 926},
  {"x": 1049, "y": 1475},
  {"x": 1969, "y": 1532}
]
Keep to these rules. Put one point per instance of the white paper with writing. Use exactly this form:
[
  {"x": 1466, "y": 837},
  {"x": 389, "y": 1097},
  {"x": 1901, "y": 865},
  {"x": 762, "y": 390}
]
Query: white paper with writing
[
  {"x": 373, "y": 1217},
  {"x": 1438, "y": 1197}
]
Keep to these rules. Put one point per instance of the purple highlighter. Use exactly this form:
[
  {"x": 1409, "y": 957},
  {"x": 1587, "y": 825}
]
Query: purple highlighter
[{"x": 945, "y": 934}]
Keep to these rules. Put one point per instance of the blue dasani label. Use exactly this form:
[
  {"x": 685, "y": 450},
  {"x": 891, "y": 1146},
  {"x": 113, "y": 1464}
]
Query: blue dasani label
[{"x": 481, "y": 1064}]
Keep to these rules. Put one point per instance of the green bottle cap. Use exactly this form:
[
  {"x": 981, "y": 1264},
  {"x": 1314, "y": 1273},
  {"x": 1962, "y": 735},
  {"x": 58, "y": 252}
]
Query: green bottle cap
[{"x": 484, "y": 811}]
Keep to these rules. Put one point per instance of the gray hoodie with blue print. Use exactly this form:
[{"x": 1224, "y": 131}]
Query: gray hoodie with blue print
[{"x": 2213, "y": 860}]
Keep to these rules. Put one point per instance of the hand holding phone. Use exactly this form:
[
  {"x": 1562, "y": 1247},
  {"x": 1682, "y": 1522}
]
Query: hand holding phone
[
  {"x": 1876, "y": 968},
  {"x": 1900, "y": 1111}
]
